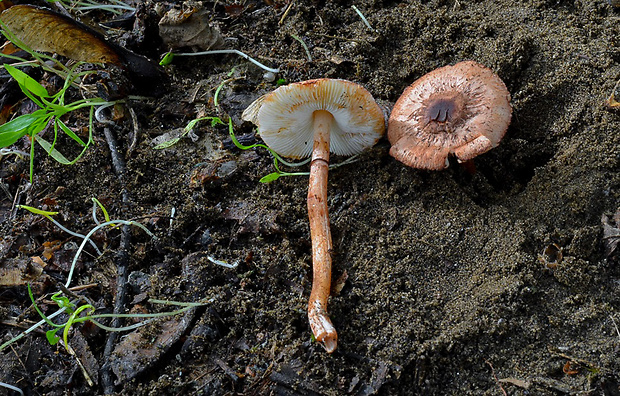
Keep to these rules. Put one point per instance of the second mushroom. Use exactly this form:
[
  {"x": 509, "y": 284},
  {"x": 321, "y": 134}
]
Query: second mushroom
[
  {"x": 461, "y": 110},
  {"x": 314, "y": 118}
]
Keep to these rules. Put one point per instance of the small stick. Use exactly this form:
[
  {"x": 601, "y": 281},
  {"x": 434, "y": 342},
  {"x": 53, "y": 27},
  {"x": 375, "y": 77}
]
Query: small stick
[
  {"x": 122, "y": 265},
  {"x": 82, "y": 287},
  {"x": 85, "y": 373},
  {"x": 321, "y": 325},
  {"x": 496, "y": 379},
  {"x": 290, "y": 5},
  {"x": 615, "y": 325}
]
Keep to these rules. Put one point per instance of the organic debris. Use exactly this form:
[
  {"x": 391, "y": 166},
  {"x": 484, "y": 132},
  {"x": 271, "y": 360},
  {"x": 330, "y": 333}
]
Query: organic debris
[
  {"x": 551, "y": 256},
  {"x": 611, "y": 233},
  {"x": 190, "y": 27},
  {"x": 142, "y": 348},
  {"x": 44, "y": 30}
]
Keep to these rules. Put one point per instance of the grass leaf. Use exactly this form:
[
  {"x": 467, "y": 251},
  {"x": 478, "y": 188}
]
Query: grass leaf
[
  {"x": 167, "y": 59},
  {"x": 51, "y": 336},
  {"x": 37, "y": 211},
  {"x": 47, "y": 146},
  {"x": 27, "y": 82},
  {"x": 70, "y": 133},
  {"x": 168, "y": 143},
  {"x": 11, "y": 131},
  {"x": 270, "y": 177}
]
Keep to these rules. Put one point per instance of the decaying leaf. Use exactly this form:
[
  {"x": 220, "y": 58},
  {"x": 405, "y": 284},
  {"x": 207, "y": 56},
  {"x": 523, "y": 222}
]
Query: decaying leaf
[
  {"x": 49, "y": 247},
  {"x": 252, "y": 219},
  {"x": 141, "y": 349},
  {"x": 190, "y": 27},
  {"x": 611, "y": 233},
  {"x": 18, "y": 272},
  {"x": 44, "y": 30}
]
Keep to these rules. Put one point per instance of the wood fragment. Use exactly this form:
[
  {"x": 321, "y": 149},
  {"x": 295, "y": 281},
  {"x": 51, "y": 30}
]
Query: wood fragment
[
  {"x": 516, "y": 382},
  {"x": 290, "y": 5}
]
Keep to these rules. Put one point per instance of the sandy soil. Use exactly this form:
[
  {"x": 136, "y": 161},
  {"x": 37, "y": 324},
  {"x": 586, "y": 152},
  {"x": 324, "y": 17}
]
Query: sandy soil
[{"x": 450, "y": 282}]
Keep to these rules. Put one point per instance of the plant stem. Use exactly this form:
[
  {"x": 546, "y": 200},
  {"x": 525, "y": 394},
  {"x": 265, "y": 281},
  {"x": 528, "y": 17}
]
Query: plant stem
[
  {"x": 230, "y": 51},
  {"x": 321, "y": 325}
]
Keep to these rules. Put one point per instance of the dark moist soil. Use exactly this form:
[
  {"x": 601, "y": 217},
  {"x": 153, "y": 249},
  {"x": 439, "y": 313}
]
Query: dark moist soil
[{"x": 493, "y": 281}]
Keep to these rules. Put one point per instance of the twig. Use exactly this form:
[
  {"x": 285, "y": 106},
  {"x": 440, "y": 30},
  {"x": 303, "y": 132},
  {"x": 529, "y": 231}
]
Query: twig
[
  {"x": 136, "y": 131},
  {"x": 117, "y": 161},
  {"x": 83, "y": 287},
  {"x": 615, "y": 325},
  {"x": 79, "y": 362},
  {"x": 496, "y": 379},
  {"x": 122, "y": 264},
  {"x": 580, "y": 361},
  {"x": 290, "y": 5}
]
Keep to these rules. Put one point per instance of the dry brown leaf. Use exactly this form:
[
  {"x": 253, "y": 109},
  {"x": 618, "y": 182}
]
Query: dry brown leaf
[
  {"x": 18, "y": 272},
  {"x": 38, "y": 261},
  {"x": 49, "y": 247},
  {"x": 47, "y": 31}
]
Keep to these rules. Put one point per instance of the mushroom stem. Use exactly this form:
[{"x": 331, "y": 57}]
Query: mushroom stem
[{"x": 321, "y": 325}]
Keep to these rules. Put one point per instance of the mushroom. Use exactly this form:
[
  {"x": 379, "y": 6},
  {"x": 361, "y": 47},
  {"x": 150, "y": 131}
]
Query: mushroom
[
  {"x": 462, "y": 110},
  {"x": 312, "y": 118}
]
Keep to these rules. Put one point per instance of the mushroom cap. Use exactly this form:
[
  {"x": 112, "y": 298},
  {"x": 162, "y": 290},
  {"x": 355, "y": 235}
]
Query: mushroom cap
[
  {"x": 462, "y": 110},
  {"x": 284, "y": 117}
]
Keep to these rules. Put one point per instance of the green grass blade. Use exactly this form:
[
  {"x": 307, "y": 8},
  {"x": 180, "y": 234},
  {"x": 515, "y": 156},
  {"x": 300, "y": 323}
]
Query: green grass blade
[
  {"x": 169, "y": 143},
  {"x": 36, "y": 307},
  {"x": 37, "y": 211},
  {"x": 167, "y": 59},
  {"x": 106, "y": 216},
  {"x": 11, "y": 131},
  {"x": 27, "y": 82},
  {"x": 49, "y": 148},
  {"x": 270, "y": 177},
  {"x": 70, "y": 133}
]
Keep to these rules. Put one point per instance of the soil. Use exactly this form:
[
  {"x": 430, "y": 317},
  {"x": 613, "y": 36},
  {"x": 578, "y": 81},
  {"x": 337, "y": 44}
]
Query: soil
[{"x": 498, "y": 280}]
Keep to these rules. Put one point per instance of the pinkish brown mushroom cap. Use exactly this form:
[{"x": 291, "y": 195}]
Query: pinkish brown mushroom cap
[{"x": 463, "y": 110}]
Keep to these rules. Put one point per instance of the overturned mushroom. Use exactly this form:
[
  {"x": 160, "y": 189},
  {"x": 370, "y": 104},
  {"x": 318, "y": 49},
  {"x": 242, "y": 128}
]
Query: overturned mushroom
[
  {"x": 463, "y": 110},
  {"x": 313, "y": 118}
]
